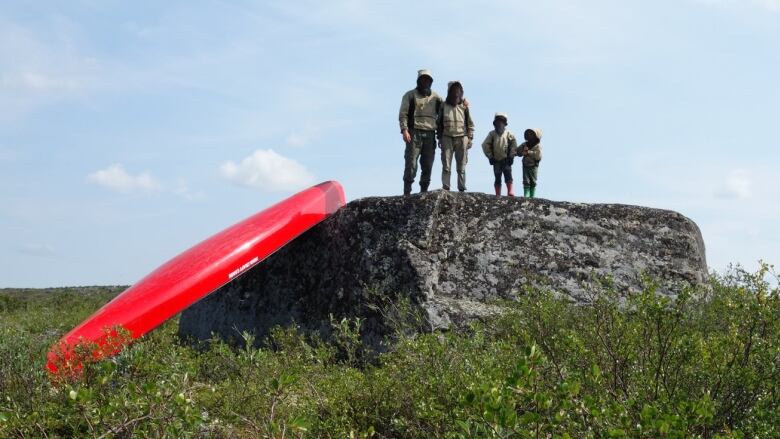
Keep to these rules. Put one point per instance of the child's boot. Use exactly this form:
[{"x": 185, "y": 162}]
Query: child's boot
[
  {"x": 526, "y": 191},
  {"x": 498, "y": 190},
  {"x": 509, "y": 190},
  {"x": 533, "y": 191}
]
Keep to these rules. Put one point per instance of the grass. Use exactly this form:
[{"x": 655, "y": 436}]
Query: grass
[{"x": 704, "y": 365}]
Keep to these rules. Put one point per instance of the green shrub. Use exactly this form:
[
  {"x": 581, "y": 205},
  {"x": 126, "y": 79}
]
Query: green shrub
[{"x": 705, "y": 364}]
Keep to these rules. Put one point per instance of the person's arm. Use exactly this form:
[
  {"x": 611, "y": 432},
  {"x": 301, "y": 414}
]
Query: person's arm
[
  {"x": 512, "y": 146},
  {"x": 522, "y": 150},
  {"x": 487, "y": 148},
  {"x": 440, "y": 123},
  {"x": 536, "y": 153},
  {"x": 470, "y": 128},
  {"x": 403, "y": 117}
]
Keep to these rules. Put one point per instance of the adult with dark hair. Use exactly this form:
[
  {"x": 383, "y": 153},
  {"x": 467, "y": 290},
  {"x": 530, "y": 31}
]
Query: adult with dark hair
[{"x": 455, "y": 130}]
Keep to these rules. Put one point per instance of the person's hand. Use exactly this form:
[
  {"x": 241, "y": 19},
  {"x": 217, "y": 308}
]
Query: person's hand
[
  {"x": 465, "y": 102},
  {"x": 525, "y": 151},
  {"x": 471, "y": 142},
  {"x": 407, "y": 137},
  {"x": 511, "y": 160},
  {"x": 492, "y": 162}
]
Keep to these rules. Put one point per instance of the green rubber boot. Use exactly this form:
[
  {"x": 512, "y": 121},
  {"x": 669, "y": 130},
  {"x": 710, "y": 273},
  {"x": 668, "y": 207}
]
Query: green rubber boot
[
  {"x": 533, "y": 192},
  {"x": 526, "y": 191}
]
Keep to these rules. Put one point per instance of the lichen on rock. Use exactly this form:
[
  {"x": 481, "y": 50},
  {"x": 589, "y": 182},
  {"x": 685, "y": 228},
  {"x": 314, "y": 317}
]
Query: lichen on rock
[{"x": 453, "y": 256}]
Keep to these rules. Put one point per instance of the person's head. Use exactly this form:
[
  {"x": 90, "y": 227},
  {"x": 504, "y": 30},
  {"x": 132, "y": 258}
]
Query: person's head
[
  {"x": 500, "y": 122},
  {"x": 454, "y": 93},
  {"x": 424, "y": 82},
  {"x": 532, "y": 136}
]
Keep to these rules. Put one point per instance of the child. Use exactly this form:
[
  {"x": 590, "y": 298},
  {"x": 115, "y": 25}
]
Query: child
[
  {"x": 500, "y": 147},
  {"x": 531, "y": 150}
]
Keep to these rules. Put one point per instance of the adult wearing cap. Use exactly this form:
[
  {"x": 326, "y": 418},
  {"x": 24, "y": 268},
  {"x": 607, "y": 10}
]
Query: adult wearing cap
[
  {"x": 500, "y": 147},
  {"x": 455, "y": 130},
  {"x": 417, "y": 118}
]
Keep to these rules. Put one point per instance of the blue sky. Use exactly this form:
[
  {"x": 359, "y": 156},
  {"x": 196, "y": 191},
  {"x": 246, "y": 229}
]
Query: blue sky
[{"x": 130, "y": 131}]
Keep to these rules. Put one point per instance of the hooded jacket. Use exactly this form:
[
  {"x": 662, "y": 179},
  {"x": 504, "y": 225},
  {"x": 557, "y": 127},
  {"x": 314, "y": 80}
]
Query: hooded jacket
[
  {"x": 454, "y": 119},
  {"x": 534, "y": 152},
  {"x": 500, "y": 146}
]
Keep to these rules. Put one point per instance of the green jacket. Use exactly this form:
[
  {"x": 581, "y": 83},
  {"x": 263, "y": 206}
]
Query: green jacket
[
  {"x": 499, "y": 147},
  {"x": 423, "y": 109}
]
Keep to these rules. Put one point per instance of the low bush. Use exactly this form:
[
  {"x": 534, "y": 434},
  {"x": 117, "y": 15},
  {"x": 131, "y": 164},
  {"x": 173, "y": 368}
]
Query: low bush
[{"x": 704, "y": 364}]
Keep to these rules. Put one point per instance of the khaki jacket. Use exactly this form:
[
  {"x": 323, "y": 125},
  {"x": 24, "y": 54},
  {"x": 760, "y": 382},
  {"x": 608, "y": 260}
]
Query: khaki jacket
[
  {"x": 452, "y": 121},
  {"x": 425, "y": 110},
  {"x": 499, "y": 147},
  {"x": 534, "y": 153}
]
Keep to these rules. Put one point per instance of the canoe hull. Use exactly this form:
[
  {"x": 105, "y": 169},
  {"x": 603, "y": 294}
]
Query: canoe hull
[{"x": 193, "y": 274}]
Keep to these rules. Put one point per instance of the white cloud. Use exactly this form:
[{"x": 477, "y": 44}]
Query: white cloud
[
  {"x": 738, "y": 184},
  {"x": 267, "y": 170},
  {"x": 38, "y": 83},
  {"x": 36, "y": 250},
  {"x": 116, "y": 178},
  {"x": 734, "y": 208},
  {"x": 309, "y": 131},
  {"x": 42, "y": 67},
  {"x": 183, "y": 190},
  {"x": 297, "y": 140},
  {"x": 771, "y": 5}
]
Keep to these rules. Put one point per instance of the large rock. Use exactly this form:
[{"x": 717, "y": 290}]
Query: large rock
[{"x": 454, "y": 255}]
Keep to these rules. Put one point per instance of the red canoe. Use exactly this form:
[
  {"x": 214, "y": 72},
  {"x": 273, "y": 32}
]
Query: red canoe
[{"x": 192, "y": 275}]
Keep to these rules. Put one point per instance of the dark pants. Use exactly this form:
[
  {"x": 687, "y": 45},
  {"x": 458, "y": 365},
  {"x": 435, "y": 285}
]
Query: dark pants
[
  {"x": 502, "y": 167},
  {"x": 529, "y": 175},
  {"x": 422, "y": 148}
]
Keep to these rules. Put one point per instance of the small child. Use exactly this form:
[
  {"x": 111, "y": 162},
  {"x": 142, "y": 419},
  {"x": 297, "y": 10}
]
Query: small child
[
  {"x": 531, "y": 150},
  {"x": 500, "y": 147}
]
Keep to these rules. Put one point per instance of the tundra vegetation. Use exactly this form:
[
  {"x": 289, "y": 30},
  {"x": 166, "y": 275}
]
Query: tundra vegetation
[{"x": 705, "y": 364}]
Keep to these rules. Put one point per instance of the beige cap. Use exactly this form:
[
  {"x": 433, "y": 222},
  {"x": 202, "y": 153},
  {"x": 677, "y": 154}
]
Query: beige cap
[
  {"x": 424, "y": 72},
  {"x": 501, "y": 115}
]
